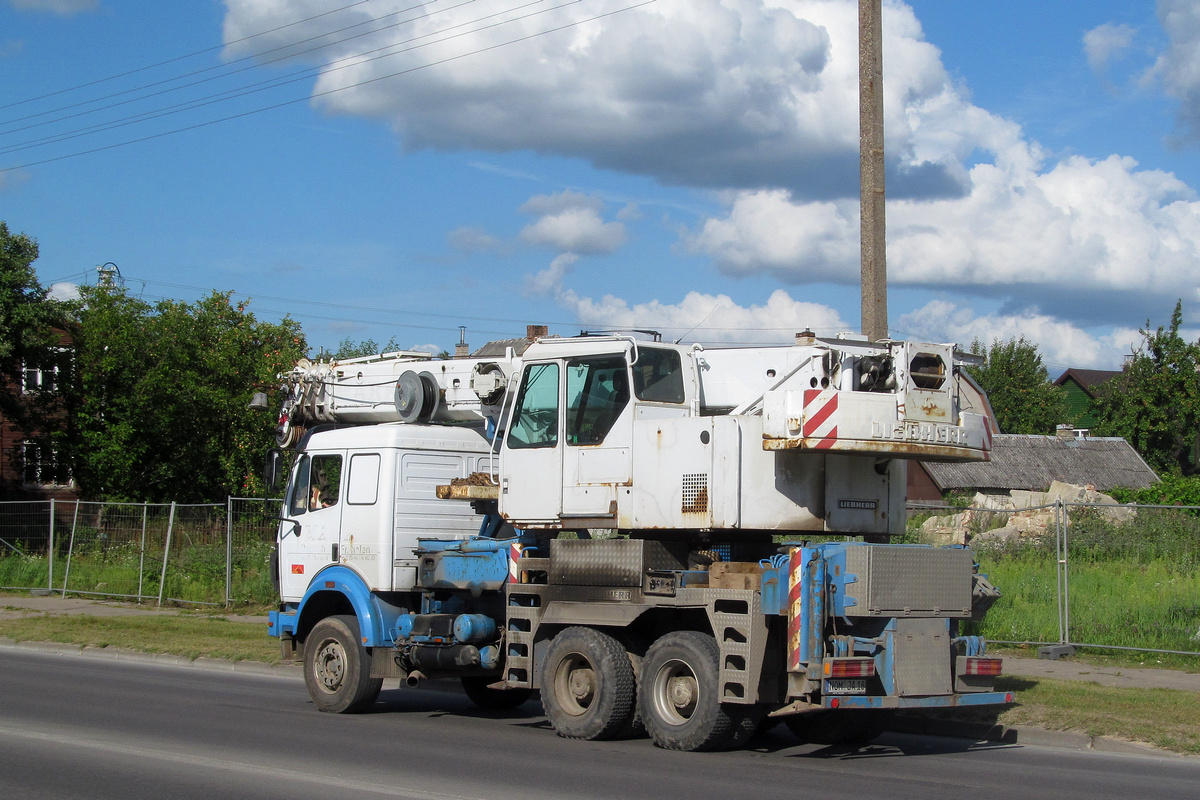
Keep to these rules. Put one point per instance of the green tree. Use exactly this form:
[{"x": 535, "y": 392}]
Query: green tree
[
  {"x": 31, "y": 325},
  {"x": 367, "y": 347},
  {"x": 1155, "y": 402},
  {"x": 161, "y": 394},
  {"x": 1018, "y": 387}
]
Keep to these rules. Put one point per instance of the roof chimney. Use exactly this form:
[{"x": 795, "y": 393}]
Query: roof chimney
[
  {"x": 535, "y": 331},
  {"x": 462, "y": 349}
]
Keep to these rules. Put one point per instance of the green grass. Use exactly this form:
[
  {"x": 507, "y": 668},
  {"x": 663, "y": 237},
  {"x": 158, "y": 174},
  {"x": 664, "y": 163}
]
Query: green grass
[
  {"x": 1165, "y": 718},
  {"x": 1152, "y": 605},
  {"x": 190, "y": 636},
  {"x": 195, "y": 573}
]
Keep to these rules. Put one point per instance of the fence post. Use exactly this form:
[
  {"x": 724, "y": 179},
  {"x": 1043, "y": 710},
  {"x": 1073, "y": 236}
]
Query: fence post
[
  {"x": 142, "y": 553},
  {"x": 228, "y": 550},
  {"x": 50, "y": 552},
  {"x": 70, "y": 548},
  {"x": 1066, "y": 528},
  {"x": 162, "y": 579}
]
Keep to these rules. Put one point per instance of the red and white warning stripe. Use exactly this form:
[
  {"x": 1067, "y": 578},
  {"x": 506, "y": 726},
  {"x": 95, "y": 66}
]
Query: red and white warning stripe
[
  {"x": 820, "y": 417},
  {"x": 514, "y": 557},
  {"x": 795, "y": 597}
]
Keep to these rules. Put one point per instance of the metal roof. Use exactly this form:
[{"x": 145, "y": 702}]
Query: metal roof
[{"x": 1034, "y": 462}]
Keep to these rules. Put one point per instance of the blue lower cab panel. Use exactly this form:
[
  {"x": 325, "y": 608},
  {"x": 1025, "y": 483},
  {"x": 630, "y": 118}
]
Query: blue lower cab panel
[
  {"x": 941, "y": 701},
  {"x": 280, "y": 622}
]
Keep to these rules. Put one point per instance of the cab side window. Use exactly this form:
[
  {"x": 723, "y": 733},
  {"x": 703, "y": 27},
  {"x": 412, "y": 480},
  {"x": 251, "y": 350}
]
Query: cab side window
[
  {"x": 597, "y": 392},
  {"x": 326, "y": 480},
  {"x": 658, "y": 375},
  {"x": 316, "y": 484}
]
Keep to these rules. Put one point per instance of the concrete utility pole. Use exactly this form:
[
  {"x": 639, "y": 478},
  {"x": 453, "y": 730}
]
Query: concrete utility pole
[{"x": 870, "y": 157}]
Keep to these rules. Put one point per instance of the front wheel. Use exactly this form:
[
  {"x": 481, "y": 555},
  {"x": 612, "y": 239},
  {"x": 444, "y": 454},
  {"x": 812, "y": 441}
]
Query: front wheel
[
  {"x": 679, "y": 699},
  {"x": 337, "y": 668}
]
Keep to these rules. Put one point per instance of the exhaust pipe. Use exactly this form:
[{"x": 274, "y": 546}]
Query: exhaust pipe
[{"x": 414, "y": 678}]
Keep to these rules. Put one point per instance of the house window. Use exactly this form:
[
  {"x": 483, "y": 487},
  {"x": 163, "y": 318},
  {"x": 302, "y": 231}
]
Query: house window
[
  {"x": 41, "y": 466},
  {"x": 44, "y": 377}
]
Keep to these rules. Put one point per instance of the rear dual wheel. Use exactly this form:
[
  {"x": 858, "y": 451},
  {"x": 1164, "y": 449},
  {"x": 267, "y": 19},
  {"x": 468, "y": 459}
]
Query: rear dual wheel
[{"x": 679, "y": 696}]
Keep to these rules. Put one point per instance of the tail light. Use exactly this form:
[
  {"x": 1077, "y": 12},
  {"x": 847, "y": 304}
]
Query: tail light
[
  {"x": 852, "y": 667},
  {"x": 982, "y": 666}
]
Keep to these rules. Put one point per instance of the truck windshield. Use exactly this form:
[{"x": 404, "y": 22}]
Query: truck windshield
[
  {"x": 298, "y": 496},
  {"x": 658, "y": 376},
  {"x": 535, "y": 422}
]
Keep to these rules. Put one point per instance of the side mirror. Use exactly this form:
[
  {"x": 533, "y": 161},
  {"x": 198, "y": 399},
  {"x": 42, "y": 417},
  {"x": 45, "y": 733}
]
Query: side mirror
[
  {"x": 295, "y": 526},
  {"x": 273, "y": 470}
]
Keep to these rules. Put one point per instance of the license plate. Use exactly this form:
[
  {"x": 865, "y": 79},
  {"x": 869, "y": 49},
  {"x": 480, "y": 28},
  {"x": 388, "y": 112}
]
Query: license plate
[{"x": 846, "y": 686}]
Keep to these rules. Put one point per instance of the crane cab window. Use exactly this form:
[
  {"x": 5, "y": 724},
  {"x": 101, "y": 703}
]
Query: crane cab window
[
  {"x": 597, "y": 392},
  {"x": 658, "y": 375},
  {"x": 535, "y": 422}
]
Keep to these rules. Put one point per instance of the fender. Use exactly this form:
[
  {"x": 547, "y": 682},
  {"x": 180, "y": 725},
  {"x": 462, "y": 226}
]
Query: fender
[{"x": 375, "y": 618}]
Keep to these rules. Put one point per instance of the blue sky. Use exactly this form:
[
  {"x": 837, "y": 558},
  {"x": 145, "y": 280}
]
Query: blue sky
[{"x": 683, "y": 165}]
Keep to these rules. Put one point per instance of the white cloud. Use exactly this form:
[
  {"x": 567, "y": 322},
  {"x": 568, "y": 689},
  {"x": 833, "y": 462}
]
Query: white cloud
[
  {"x": 713, "y": 93},
  {"x": 550, "y": 280},
  {"x": 1099, "y": 226},
  {"x": 1179, "y": 66},
  {"x": 571, "y": 223},
  {"x": 709, "y": 318},
  {"x": 64, "y": 8},
  {"x": 1105, "y": 42},
  {"x": 1061, "y": 344},
  {"x": 63, "y": 291},
  {"x": 474, "y": 240},
  {"x": 758, "y": 100}
]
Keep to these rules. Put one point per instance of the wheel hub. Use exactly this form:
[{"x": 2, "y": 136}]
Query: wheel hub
[
  {"x": 331, "y": 665},
  {"x": 682, "y": 691}
]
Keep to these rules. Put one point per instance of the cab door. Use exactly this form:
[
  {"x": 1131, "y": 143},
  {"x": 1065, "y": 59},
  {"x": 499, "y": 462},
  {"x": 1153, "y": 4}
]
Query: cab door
[
  {"x": 597, "y": 454},
  {"x": 531, "y": 459},
  {"x": 315, "y": 502}
]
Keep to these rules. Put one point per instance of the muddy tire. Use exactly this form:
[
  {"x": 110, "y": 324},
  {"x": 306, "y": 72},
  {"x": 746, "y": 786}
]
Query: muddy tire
[{"x": 588, "y": 686}]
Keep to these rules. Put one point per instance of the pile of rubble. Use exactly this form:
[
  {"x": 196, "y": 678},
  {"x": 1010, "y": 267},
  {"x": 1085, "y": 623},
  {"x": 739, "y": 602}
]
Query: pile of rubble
[{"x": 998, "y": 519}]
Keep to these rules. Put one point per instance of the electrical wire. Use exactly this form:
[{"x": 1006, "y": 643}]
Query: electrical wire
[
  {"x": 271, "y": 83},
  {"x": 253, "y": 57},
  {"x": 184, "y": 57},
  {"x": 311, "y": 96}
]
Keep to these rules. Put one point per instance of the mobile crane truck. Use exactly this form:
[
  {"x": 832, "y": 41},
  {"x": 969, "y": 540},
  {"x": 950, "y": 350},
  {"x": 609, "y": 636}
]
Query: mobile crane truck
[{"x": 620, "y": 524}]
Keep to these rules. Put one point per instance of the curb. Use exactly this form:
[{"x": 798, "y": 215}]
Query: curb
[
  {"x": 162, "y": 659},
  {"x": 1024, "y": 735}
]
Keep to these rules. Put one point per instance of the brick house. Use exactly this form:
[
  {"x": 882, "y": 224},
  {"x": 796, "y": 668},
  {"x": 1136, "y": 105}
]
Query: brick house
[{"x": 29, "y": 468}]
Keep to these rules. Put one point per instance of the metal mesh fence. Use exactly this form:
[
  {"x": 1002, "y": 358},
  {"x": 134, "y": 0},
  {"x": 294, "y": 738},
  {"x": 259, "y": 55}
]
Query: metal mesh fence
[
  {"x": 202, "y": 554},
  {"x": 1087, "y": 575}
]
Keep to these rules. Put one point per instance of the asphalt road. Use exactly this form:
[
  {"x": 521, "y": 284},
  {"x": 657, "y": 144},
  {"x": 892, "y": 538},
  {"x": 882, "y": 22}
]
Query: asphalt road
[{"x": 74, "y": 727}]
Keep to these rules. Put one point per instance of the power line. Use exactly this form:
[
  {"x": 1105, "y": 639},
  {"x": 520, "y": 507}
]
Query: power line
[
  {"x": 225, "y": 67},
  {"x": 182, "y": 57},
  {"x": 309, "y": 97},
  {"x": 455, "y": 319},
  {"x": 260, "y": 86}
]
